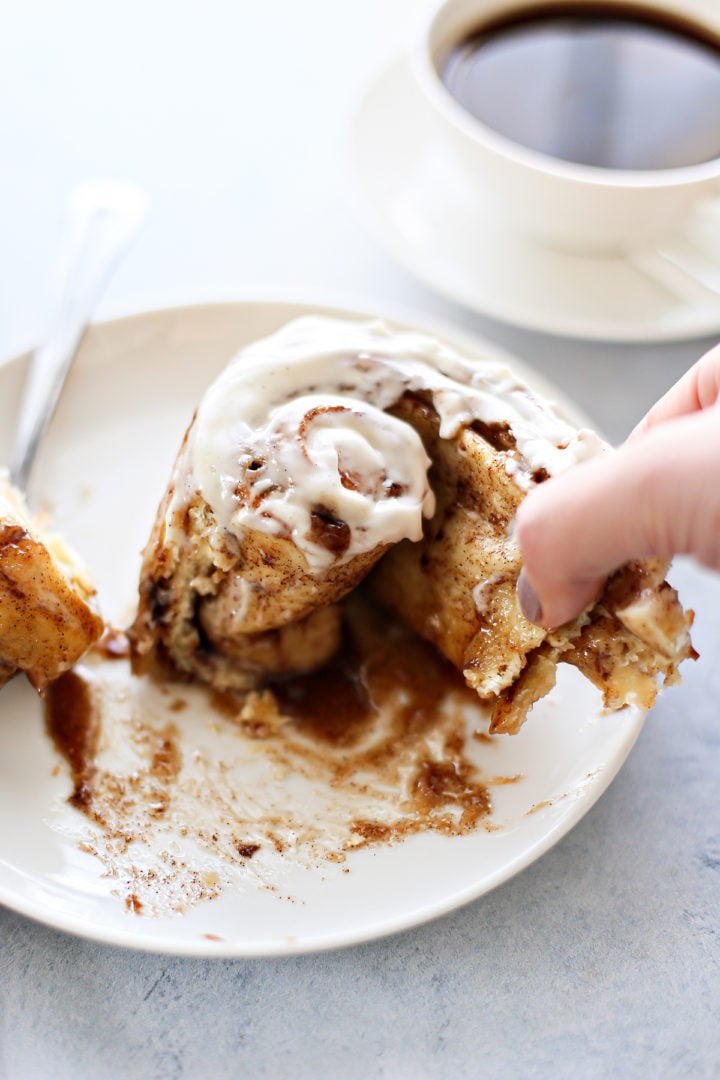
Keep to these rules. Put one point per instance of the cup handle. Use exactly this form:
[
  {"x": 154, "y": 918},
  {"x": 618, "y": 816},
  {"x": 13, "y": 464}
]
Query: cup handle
[{"x": 685, "y": 262}]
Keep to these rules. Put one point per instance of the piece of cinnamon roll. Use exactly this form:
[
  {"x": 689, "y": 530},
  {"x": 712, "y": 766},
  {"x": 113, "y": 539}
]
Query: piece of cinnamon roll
[
  {"x": 47, "y": 613},
  {"x": 334, "y": 449},
  {"x": 456, "y": 588}
]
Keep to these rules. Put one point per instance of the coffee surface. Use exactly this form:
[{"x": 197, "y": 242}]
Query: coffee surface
[{"x": 611, "y": 86}]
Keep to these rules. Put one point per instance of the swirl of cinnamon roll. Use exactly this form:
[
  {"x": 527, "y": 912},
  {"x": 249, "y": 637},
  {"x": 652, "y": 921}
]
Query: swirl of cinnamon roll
[
  {"x": 335, "y": 445},
  {"x": 299, "y": 420},
  {"x": 327, "y": 457}
]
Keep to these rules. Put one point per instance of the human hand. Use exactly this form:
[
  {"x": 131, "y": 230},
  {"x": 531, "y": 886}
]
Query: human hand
[{"x": 658, "y": 494}]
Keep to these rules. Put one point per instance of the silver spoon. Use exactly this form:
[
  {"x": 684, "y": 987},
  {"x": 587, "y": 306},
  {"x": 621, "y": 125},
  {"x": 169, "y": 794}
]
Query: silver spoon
[{"x": 104, "y": 216}]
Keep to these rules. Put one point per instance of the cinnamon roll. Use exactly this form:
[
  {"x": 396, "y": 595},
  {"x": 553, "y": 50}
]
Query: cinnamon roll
[
  {"x": 47, "y": 610},
  {"x": 335, "y": 450}
]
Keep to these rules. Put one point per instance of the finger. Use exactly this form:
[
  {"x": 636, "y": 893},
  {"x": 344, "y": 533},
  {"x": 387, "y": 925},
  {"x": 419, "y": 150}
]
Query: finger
[
  {"x": 659, "y": 495},
  {"x": 699, "y": 388}
]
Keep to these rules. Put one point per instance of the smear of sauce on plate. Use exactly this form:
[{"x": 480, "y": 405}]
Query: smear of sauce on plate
[
  {"x": 182, "y": 803},
  {"x": 74, "y": 726}
]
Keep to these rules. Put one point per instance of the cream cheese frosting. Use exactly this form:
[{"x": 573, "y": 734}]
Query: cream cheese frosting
[{"x": 295, "y": 425}]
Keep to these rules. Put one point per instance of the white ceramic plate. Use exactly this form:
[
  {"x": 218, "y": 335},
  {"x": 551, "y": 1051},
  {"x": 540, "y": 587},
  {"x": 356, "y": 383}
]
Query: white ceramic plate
[
  {"x": 103, "y": 466},
  {"x": 424, "y": 209}
]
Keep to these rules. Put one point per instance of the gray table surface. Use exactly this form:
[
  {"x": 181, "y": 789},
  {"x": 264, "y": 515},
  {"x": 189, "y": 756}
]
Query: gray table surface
[{"x": 603, "y": 958}]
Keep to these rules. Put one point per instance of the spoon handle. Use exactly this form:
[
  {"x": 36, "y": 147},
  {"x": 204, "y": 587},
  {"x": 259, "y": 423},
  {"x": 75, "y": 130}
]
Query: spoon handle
[{"x": 103, "y": 218}]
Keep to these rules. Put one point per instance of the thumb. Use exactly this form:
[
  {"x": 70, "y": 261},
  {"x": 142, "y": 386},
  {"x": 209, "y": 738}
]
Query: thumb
[{"x": 657, "y": 495}]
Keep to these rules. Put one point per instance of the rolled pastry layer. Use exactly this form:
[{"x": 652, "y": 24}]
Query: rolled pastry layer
[
  {"x": 334, "y": 449},
  {"x": 456, "y": 588},
  {"x": 47, "y": 613}
]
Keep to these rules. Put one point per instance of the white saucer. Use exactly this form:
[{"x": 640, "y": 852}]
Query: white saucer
[{"x": 425, "y": 211}]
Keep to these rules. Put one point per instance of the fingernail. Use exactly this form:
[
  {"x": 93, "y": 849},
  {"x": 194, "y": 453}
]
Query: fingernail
[{"x": 528, "y": 600}]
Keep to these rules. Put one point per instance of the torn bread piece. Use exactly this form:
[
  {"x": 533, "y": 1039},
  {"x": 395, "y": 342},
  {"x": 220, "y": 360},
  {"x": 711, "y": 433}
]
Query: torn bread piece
[
  {"x": 456, "y": 588},
  {"x": 48, "y": 617},
  {"x": 335, "y": 449}
]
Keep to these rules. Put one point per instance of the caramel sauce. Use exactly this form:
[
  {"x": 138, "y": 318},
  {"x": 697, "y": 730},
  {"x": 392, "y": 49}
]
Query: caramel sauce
[
  {"x": 332, "y": 704},
  {"x": 438, "y": 783},
  {"x": 381, "y": 733},
  {"x": 385, "y": 670},
  {"x": 225, "y": 703},
  {"x": 246, "y": 851},
  {"x": 73, "y": 725},
  {"x": 381, "y": 667},
  {"x": 74, "y": 722}
]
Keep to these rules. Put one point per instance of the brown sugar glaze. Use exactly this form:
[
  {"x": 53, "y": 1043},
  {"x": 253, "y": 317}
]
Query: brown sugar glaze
[
  {"x": 382, "y": 727},
  {"x": 73, "y": 724},
  {"x": 371, "y": 709}
]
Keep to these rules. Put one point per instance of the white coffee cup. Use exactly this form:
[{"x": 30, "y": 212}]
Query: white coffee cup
[{"x": 566, "y": 205}]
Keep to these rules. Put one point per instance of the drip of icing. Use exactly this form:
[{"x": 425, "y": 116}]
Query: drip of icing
[{"x": 295, "y": 425}]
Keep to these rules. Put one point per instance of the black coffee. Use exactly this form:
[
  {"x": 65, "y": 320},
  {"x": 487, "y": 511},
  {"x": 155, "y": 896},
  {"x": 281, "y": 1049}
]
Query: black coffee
[{"x": 615, "y": 87}]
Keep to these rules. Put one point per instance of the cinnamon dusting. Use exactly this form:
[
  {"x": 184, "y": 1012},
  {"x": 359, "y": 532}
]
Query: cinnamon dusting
[{"x": 379, "y": 738}]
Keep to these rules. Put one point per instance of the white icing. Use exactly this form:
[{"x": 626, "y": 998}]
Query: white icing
[{"x": 296, "y": 423}]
